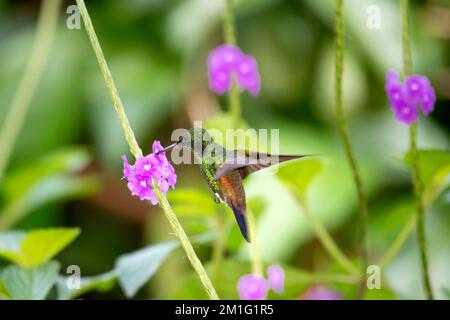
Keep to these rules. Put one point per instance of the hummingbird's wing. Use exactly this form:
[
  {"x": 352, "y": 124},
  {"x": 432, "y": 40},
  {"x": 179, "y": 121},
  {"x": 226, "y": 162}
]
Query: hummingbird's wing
[
  {"x": 233, "y": 194},
  {"x": 247, "y": 162}
]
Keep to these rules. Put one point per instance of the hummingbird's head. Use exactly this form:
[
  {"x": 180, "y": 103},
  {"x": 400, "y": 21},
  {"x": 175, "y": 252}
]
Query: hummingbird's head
[{"x": 195, "y": 139}]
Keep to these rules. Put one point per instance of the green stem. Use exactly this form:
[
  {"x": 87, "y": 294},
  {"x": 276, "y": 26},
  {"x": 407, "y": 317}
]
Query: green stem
[
  {"x": 327, "y": 241},
  {"x": 236, "y": 115},
  {"x": 45, "y": 34},
  {"x": 415, "y": 170},
  {"x": 230, "y": 38},
  {"x": 235, "y": 105},
  {"x": 136, "y": 151},
  {"x": 257, "y": 266},
  {"x": 343, "y": 130}
]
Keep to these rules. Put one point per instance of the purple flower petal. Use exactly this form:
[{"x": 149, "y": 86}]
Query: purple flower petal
[
  {"x": 276, "y": 278},
  {"x": 252, "y": 287},
  {"x": 396, "y": 94},
  {"x": 427, "y": 100},
  {"x": 126, "y": 167},
  {"x": 392, "y": 78},
  {"x": 415, "y": 86},
  {"x": 220, "y": 82}
]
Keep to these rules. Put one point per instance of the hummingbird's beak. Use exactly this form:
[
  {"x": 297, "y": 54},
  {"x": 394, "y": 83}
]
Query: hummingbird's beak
[{"x": 168, "y": 148}]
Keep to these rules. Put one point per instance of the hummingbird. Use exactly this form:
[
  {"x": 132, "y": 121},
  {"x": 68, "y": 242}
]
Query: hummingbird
[{"x": 224, "y": 170}]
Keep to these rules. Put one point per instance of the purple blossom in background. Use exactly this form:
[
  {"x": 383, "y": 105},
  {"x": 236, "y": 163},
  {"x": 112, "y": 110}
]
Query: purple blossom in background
[
  {"x": 226, "y": 62},
  {"x": 254, "y": 287},
  {"x": 407, "y": 98},
  {"x": 146, "y": 168},
  {"x": 321, "y": 293},
  {"x": 276, "y": 278}
]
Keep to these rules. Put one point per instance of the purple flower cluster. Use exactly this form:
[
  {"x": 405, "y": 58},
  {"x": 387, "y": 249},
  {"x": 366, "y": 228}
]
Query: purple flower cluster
[
  {"x": 254, "y": 287},
  {"x": 406, "y": 98},
  {"x": 148, "y": 168},
  {"x": 226, "y": 62}
]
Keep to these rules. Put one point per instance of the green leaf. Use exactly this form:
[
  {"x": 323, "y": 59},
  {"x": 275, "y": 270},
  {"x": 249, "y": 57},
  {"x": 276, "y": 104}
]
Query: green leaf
[
  {"x": 31, "y": 284},
  {"x": 48, "y": 180},
  {"x": 192, "y": 202},
  {"x": 35, "y": 247},
  {"x": 434, "y": 168},
  {"x": 102, "y": 283},
  {"x": 136, "y": 268},
  {"x": 297, "y": 175},
  {"x": 296, "y": 281}
]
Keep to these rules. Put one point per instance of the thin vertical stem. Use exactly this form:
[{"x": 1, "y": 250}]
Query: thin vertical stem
[
  {"x": 234, "y": 99},
  {"x": 230, "y": 38},
  {"x": 45, "y": 34},
  {"x": 415, "y": 170},
  {"x": 343, "y": 130},
  {"x": 136, "y": 151},
  {"x": 407, "y": 60}
]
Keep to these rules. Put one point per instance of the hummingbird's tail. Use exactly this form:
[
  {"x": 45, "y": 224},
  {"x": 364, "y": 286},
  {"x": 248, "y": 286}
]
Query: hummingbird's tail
[{"x": 240, "y": 219}]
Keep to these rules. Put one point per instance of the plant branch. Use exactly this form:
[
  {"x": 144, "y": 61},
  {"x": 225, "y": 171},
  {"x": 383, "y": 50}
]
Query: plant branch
[
  {"x": 415, "y": 170},
  {"x": 344, "y": 132},
  {"x": 45, "y": 34},
  {"x": 136, "y": 151}
]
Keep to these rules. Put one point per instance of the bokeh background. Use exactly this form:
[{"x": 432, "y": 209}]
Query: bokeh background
[{"x": 157, "y": 54}]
